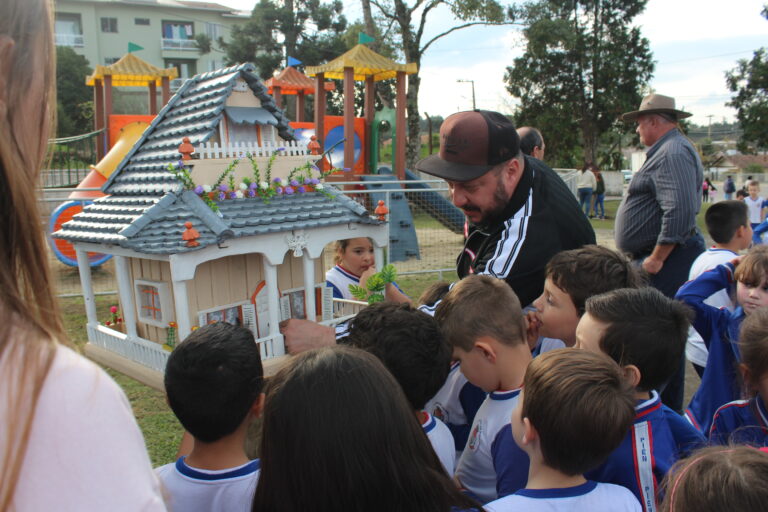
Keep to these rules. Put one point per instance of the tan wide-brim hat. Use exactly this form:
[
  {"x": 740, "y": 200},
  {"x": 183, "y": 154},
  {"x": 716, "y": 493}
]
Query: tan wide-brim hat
[{"x": 656, "y": 104}]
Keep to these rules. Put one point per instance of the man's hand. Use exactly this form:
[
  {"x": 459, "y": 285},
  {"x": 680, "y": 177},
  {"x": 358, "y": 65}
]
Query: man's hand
[
  {"x": 303, "y": 335},
  {"x": 652, "y": 265}
]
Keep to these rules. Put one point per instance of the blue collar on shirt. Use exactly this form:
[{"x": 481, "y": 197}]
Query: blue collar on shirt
[
  {"x": 429, "y": 424},
  {"x": 648, "y": 406},
  {"x": 565, "y": 492},
  {"x": 245, "y": 469},
  {"x": 504, "y": 395}
]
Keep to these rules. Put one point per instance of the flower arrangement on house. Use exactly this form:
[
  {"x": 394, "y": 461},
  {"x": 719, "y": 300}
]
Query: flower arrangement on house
[
  {"x": 301, "y": 180},
  {"x": 115, "y": 320},
  {"x": 170, "y": 339}
]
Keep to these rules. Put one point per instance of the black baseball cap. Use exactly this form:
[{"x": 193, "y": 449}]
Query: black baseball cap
[{"x": 471, "y": 144}]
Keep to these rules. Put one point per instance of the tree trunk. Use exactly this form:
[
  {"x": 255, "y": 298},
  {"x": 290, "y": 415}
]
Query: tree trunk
[{"x": 413, "y": 146}]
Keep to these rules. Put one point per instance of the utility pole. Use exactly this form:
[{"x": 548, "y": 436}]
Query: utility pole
[
  {"x": 474, "y": 106},
  {"x": 709, "y": 129}
]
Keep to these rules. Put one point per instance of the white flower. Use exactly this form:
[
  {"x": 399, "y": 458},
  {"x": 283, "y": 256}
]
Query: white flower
[
  {"x": 239, "y": 194},
  {"x": 264, "y": 185},
  {"x": 207, "y": 188},
  {"x": 319, "y": 186},
  {"x": 243, "y": 186}
]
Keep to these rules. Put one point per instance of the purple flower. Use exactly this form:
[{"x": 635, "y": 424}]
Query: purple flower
[
  {"x": 199, "y": 190},
  {"x": 251, "y": 193},
  {"x": 280, "y": 149},
  {"x": 347, "y": 169},
  {"x": 307, "y": 181},
  {"x": 233, "y": 195},
  {"x": 314, "y": 181},
  {"x": 288, "y": 191},
  {"x": 279, "y": 190},
  {"x": 277, "y": 180},
  {"x": 180, "y": 164},
  {"x": 223, "y": 187},
  {"x": 301, "y": 190},
  {"x": 253, "y": 185},
  {"x": 222, "y": 196},
  {"x": 294, "y": 183}
]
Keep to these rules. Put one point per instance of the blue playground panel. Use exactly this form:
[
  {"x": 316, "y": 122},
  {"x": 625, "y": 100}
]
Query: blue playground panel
[{"x": 403, "y": 243}]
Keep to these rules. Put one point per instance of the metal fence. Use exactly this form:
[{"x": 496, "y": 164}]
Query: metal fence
[
  {"x": 70, "y": 159},
  {"x": 436, "y": 240}
]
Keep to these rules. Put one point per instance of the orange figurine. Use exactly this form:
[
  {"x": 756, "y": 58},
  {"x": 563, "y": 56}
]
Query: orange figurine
[
  {"x": 381, "y": 211},
  {"x": 313, "y": 146},
  {"x": 190, "y": 235},
  {"x": 186, "y": 149}
]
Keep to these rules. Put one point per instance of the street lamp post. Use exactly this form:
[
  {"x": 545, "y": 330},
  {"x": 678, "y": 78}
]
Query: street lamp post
[{"x": 474, "y": 106}]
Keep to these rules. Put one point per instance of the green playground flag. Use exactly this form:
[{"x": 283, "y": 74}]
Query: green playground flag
[
  {"x": 363, "y": 38},
  {"x": 133, "y": 47}
]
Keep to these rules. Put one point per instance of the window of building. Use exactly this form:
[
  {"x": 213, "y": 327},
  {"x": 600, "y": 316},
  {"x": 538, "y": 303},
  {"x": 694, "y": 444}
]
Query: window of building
[
  {"x": 141, "y": 21},
  {"x": 187, "y": 68},
  {"x": 179, "y": 35},
  {"x": 68, "y": 29},
  {"x": 213, "y": 30},
  {"x": 109, "y": 25},
  {"x": 153, "y": 303},
  {"x": 110, "y": 60}
]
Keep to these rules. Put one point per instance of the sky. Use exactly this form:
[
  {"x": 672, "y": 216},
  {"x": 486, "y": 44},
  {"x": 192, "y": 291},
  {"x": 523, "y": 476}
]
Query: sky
[{"x": 694, "y": 42}]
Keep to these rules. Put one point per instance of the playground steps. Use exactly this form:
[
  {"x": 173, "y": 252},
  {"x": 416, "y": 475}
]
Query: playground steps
[{"x": 440, "y": 208}]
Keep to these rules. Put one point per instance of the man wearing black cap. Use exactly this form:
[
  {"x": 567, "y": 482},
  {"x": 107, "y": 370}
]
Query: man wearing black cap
[
  {"x": 656, "y": 221},
  {"x": 519, "y": 211}
]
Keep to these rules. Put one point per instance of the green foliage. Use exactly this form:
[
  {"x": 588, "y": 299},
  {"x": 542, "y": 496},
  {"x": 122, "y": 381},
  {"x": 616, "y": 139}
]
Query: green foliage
[
  {"x": 751, "y": 169},
  {"x": 204, "y": 43},
  {"x": 584, "y": 64},
  {"x": 375, "y": 285},
  {"x": 74, "y": 99},
  {"x": 308, "y": 30},
  {"x": 749, "y": 80}
]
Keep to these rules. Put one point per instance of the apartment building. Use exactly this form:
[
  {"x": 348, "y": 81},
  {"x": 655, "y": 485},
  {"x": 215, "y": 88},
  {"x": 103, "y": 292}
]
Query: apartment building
[{"x": 101, "y": 30}]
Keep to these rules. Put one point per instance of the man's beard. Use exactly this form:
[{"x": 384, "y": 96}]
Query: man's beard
[{"x": 495, "y": 212}]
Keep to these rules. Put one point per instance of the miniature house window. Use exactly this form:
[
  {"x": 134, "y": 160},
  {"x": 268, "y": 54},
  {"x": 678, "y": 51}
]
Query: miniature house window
[
  {"x": 153, "y": 303},
  {"x": 240, "y": 313}
]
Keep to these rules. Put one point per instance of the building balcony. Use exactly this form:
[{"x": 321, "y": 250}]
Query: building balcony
[
  {"x": 73, "y": 40},
  {"x": 179, "y": 44}
]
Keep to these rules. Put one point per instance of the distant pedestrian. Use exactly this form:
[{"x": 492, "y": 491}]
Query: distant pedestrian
[
  {"x": 707, "y": 190},
  {"x": 598, "y": 195},
  {"x": 585, "y": 184},
  {"x": 531, "y": 142},
  {"x": 729, "y": 187}
]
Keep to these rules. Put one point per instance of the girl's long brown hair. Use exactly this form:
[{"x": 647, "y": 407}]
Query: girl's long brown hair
[{"x": 30, "y": 323}]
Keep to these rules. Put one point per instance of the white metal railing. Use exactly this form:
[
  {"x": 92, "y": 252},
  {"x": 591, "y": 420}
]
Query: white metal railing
[
  {"x": 240, "y": 149},
  {"x": 75, "y": 40},
  {"x": 179, "y": 44}
]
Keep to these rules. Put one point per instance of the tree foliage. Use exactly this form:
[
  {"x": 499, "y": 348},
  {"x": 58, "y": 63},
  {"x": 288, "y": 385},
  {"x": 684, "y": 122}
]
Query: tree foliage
[
  {"x": 584, "y": 65},
  {"x": 749, "y": 80},
  {"x": 74, "y": 109},
  {"x": 307, "y": 30},
  {"x": 410, "y": 21}
]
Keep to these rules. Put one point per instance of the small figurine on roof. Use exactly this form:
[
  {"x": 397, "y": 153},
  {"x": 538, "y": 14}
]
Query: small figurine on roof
[
  {"x": 313, "y": 146},
  {"x": 190, "y": 235},
  {"x": 186, "y": 149},
  {"x": 381, "y": 211}
]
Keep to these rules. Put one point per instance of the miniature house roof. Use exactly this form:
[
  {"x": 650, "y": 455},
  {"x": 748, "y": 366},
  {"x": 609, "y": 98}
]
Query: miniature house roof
[
  {"x": 292, "y": 81},
  {"x": 148, "y": 205},
  {"x": 131, "y": 71},
  {"x": 365, "y": 62}
]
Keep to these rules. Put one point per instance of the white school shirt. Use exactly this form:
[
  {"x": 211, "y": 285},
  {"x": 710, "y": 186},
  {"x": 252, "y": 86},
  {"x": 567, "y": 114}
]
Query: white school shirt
[
  {"x": 475, "y": 468},
  {"x": 445, "y": 405},
  {"x": 755, "y": 208},
  {"x": 442, "y": 441},
  {"x": 695, "y": 350},
  {"x": 587, "y": 497},
  {"x": 200, "y": 490}
]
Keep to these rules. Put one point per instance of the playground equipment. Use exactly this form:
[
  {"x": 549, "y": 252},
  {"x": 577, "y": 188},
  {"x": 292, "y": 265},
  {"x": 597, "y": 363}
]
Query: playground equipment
[{"x": 62, "y": 249}]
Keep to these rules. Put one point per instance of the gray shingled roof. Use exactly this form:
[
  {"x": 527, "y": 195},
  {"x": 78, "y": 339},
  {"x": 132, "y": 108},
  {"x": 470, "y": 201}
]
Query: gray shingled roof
[
  {"x": 155, "y": 226},
  {"x": 195, "y": 112},
  {"x": 148, "y": 206}
]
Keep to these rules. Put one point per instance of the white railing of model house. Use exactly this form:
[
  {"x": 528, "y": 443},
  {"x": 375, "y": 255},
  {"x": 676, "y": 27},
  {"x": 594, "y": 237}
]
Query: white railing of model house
[{"x": 241, "y": 149}]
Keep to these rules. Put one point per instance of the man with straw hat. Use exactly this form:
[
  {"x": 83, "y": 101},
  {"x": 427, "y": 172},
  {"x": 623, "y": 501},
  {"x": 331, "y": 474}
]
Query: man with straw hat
[{"x": 656, "y": 221}]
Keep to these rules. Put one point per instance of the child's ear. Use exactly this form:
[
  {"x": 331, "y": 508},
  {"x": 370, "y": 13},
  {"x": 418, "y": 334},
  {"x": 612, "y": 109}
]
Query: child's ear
[
  {"x": 632, "y": 374},
  {"x": 530, "y": 434},
  {"x": 485, "y": 346},
  {"x": 258, "y": 406}
]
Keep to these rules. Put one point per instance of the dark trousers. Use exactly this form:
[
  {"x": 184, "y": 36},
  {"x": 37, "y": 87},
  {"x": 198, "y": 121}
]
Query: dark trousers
[{"x": 672, "y": 276}]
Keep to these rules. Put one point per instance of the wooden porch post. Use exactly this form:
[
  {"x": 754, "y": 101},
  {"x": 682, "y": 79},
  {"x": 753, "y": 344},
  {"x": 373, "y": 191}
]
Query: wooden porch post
[{"x": 349, "y": 118}]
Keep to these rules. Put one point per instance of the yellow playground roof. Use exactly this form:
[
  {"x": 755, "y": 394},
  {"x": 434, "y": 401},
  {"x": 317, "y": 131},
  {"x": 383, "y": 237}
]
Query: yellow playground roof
[
  {"x": 131, "y": 71},
  {"x": 365, "y": 62}
]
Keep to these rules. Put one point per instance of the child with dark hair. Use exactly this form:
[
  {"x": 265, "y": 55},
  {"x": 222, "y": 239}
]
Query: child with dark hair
[
  {"x": 574, "y": 410},
  {"x": 413, "y": 349},
  {"x": 728, "y": 225},
  {"x": 720, "y": 328},
  {"x": 645, "y": 333},
  {"x": 339, "y": 435},
  {"x": 482, "y": 320},
  {"x": 746, "y": 421},
  {"x": 717, "y": 479},
  {"x": 214, "y": 380},
  {"x": 571, "y": 278}
]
